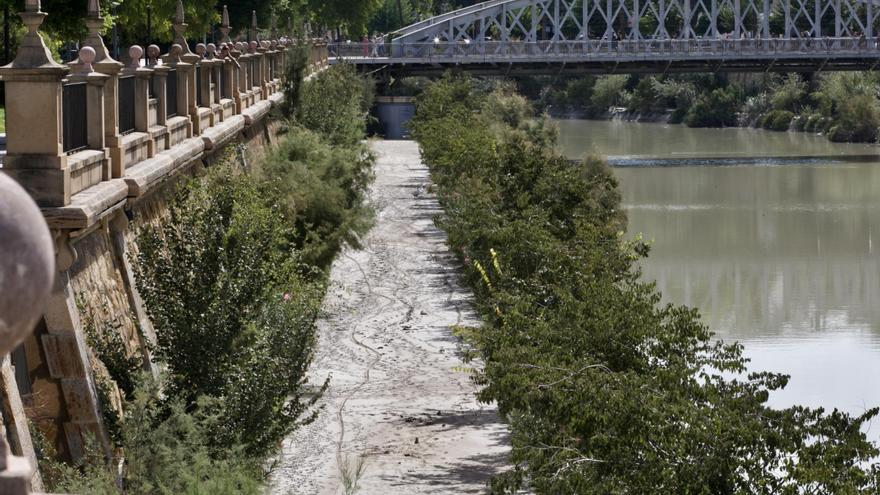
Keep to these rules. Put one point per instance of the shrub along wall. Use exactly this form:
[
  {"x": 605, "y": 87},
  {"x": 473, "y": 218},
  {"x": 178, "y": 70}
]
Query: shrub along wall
[
  {"x": 232, "y": 277},
  {"x": 606, "y": 390}
]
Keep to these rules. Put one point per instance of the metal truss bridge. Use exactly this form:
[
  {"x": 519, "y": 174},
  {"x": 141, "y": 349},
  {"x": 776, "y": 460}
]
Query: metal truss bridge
[{"x": 631, "y": 36}]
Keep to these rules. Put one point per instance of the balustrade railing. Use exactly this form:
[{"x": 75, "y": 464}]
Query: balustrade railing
[
  {"x": 126, "y": 103},
  {"x": 605, "y": 49},
  {"x": 74, "y": 117}
]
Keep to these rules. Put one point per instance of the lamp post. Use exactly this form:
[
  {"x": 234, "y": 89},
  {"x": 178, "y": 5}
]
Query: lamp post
[{"x": 149, "y": 24}]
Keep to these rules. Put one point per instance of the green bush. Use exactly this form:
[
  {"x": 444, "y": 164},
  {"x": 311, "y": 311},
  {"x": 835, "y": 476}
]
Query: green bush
[
  {"x": 606, "y": 390},
  {"x": 778, "y": 120},
  {"x": 322, "y": 192},
  {"x": 850, "y": 103},
  {"x": 168, "y": 451},
  {"x": 717, "y": 109},
  {"x": 608, "y": 91},
  {"x": 226, "y": 291},
  {"x": 789, "y": 94},
  {"x": 812, "y": 123},
  {"x": 335, "y": 104}
]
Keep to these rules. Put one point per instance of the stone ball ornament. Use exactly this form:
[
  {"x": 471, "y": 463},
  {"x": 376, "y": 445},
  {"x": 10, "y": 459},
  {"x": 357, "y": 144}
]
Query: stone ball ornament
[
  {"x": 87, "y": 55},
  {"x": 134, "y": 54},
  {"x": 27, "y": 264}
]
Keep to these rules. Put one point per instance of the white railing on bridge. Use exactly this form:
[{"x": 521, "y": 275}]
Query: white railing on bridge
[{"x": 605, "y": 50}]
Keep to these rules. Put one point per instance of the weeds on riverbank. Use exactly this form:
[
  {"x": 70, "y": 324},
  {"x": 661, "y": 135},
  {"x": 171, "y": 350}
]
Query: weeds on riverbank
[
  {"x": 233, "y": 281},
  {"x": 606, "y": 390}
]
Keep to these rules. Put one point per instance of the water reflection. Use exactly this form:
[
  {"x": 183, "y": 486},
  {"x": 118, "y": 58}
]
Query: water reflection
[{"x": 782, "y": 258}]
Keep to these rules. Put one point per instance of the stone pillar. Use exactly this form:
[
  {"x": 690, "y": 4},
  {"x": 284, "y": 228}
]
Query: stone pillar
[
  {"x": 105, "y": 64},
  {"x": 142, "y": 77},
  {"x": 160, "y": 83},
  {"x": 188, "y": 57},
  {"x": 160, "y": 86},
  {"x": 245, "y": 86},
  {"x": 216, "y": 73},
  {"x": 263, "y": 51},
  {"x": 83, "y": 71},
  {"x": 26, "y": 259},
  {"x": 34, "y": 129},
  {"x": 184, "y": 73},
  {"x": 237, "y": 70}
]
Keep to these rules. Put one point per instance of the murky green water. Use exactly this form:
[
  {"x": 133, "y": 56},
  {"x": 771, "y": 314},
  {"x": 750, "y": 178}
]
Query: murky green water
[{"x": 777, "y": 242}]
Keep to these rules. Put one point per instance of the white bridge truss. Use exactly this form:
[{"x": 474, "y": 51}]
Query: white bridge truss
[
  {"x": 602, "y": 36},
  {"x": 578, "y": 20}
]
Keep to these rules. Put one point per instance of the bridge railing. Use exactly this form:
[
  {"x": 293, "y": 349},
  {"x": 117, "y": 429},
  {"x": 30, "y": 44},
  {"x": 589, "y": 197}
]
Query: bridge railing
[{"x": 609, "y": 49}]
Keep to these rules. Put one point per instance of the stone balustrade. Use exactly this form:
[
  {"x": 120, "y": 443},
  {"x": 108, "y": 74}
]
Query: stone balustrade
[{"x": 183, "y": 98}]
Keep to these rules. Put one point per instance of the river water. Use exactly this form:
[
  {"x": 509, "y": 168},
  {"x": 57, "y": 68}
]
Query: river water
[{"x": 775, "y": 237}]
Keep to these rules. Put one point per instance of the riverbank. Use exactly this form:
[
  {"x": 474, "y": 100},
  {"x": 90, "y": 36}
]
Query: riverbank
[
  {"x": 604, "y": 387},
  {"x": 844, "y": 107},
  {"x": 401, "y": 403}
]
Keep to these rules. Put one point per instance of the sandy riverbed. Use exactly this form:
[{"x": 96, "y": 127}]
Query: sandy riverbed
[{"x": 400, "y": 398}]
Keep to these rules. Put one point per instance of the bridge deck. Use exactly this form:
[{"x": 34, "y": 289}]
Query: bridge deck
[{"x": 617, "y": 56}]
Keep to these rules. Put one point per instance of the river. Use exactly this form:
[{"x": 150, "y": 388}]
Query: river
[{"x": 775, "y": 237}]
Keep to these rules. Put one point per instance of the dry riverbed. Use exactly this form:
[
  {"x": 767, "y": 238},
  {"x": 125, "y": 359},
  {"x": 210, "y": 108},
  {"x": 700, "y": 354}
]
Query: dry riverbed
[{"x": 401, "y": 408}]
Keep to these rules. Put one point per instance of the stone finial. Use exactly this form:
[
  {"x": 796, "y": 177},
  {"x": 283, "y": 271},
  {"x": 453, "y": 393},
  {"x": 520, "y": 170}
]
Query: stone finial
[
  {"x": 201, "y": 49},
  {"x": 252, "y": 47},
  {"x": 179, "y": 27},
  {"x": 225, "y": 28},
  {"x": 174, "y": 54},
  {"x": 153, "y": 53},
  {"x": 32, "y": 50},
  {"x": 212, "y": 50},
  {"x": 86, "y": 57},
  {"x": 179, "y": 17},
  {"x": 135, "y": 53},
  {"x": 95, "y": 23}
]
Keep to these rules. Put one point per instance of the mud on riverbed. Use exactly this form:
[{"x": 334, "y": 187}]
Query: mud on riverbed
[{"x": 401, "y": 407}]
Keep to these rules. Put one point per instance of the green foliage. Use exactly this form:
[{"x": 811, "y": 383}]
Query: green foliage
[
  {"x": 322, "y": 192},
  {"x": 850, "y": 100},
  {"x": 168, "y": 451},
  {"x": 351, "y": 14},
  {"x": 297, "y": 61},
  {"x": 606, "y": 390},
  {"x": 607, "y": 91},
  {"x": 335, "y": 104},
  {"x": 717, "y": 109},
  {"x": 789, "y": 95},
  {"x": 213, "y": 278},
  {"x": 756, "y": 107},
  {"x": 645, "y": 98},
  {"x": 777, "y": 120}
]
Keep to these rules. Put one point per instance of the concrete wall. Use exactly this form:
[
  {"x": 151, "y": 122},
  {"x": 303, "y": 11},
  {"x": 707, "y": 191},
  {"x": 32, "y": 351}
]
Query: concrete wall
[{"x": 394, "y": 112}]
